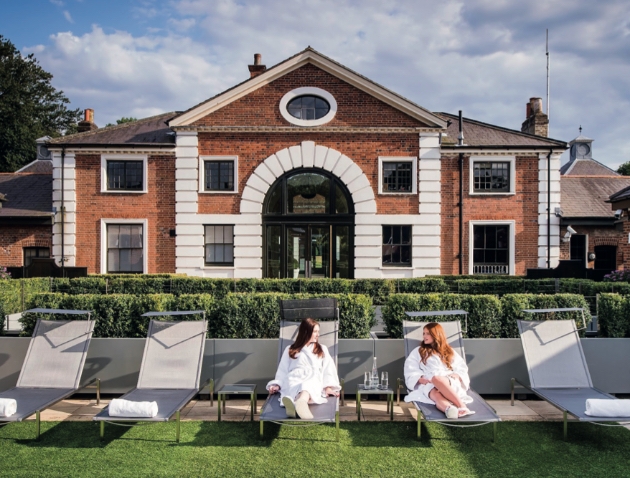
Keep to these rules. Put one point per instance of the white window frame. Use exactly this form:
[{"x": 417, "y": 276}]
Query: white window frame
[
  {"x": 304, "y": 91},
  {"x": 218, "y": 266},
  {"x": 145, "y": 241},
  {"x": 512, "y": 238},
  {"x": 124, "y": 157},
  {"x": 398, "y": 159},
  {"x": 202, "y": 174},
  {"x": 492, "y": 159}
]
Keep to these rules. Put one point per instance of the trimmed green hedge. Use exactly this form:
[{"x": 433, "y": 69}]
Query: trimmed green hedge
[
  {"x": 613, "y": 316},
  {"x": 11, "y": 291},
  {"x": 2, "y": 314},
  {"x": 488, "y": 316},
  {"x": 252, "y": 315}
]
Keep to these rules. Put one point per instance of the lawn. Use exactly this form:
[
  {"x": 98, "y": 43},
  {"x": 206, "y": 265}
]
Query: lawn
[{"x": 523, "y": 449}]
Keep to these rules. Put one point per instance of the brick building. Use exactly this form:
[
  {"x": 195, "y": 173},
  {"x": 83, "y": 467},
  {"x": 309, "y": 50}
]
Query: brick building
[{"x": 308, "y": 169}]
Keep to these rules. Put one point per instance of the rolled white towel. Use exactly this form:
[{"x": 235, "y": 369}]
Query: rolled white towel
[
  {"x": 610, "y": 408},
  {"x": 129, "y": 409},
  {"x": 8, "y": 407}
]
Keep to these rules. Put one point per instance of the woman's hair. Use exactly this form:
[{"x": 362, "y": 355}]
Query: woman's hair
[
  {"x": 439, "y": 346},
  {"x": 304, "y": 335}
]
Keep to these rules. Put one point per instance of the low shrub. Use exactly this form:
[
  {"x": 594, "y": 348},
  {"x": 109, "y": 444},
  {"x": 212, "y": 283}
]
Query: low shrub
[
  {"x": 15, "y": 293},
  {"x": 2, "y": 318},
  {"x": 484, "y": 312},
  {"x": 613, "y": 315}
]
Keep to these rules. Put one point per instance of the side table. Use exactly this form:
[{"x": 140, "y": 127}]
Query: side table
[
  {"x": 238, "y": 389},
  {"x": 361, "y": 390}
]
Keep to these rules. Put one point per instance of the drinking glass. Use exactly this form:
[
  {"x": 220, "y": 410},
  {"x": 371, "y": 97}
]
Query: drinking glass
[
  {"x": 384, "y": 381},
  {"x": 367, "y": 380}
]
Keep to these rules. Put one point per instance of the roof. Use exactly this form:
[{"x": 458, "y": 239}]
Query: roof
[
  {"x": 587, "y": 196},
  {"x": 477, "y": 133},
  {"x": 152, "y": 131},
  {"x": 27, "y": 195},
  {"x": 620, "y": 195},
  {"x": 41, "y": 166},
  {"x": 587, "y": 167},
  {"x": 308, "y": 55}
]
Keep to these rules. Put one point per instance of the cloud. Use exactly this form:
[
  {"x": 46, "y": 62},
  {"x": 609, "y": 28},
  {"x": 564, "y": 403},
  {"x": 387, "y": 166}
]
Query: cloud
[
  {"x": 57, "y": 3},
  {"x": 486, "y": 57},
  {"x": 67, "y": 15}
]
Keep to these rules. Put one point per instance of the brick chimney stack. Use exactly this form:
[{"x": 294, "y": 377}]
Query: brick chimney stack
[
  {"x": 536, "y": 121},
  {"x": 88, "y": 122},
  {"x": 256, "y": 69}
]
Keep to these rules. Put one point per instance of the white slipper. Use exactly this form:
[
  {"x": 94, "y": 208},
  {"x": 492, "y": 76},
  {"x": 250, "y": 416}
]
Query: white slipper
[
  {"x": 289, "y": 406},
  {"x": 466, "y": 412},
  {"x": 301, "y": 408},
  {"x": 452, "y": 412}
]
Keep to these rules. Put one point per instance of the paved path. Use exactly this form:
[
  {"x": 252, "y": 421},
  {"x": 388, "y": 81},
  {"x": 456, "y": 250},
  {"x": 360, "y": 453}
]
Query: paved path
[{"x": 238, "y": 410}]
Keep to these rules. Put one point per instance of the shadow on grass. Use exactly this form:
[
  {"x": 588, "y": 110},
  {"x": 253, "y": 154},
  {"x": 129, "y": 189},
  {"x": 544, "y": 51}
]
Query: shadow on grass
[
  {"x": 230, "y": 434},
  {"x": 57, "y": 435},
  {"x": 387, "y": 434}
]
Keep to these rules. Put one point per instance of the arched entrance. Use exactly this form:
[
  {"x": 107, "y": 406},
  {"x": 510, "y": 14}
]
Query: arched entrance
[{"x": 308, "y": 226}]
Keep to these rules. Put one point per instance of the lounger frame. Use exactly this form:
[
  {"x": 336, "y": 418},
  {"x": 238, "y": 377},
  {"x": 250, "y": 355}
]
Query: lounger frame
[
  {"x": 292, "y": 312},
  {"x": 412, "y": 331}
]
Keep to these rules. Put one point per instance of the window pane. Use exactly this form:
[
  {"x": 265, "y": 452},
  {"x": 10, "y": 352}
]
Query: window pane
[
  {"x": 136, "y": 260},
  {"x": 228, "y": 234},
  {"x": 136, "y": 236},
  {"x": 210, "y": 253},
  {"x": 125, "y": 260},
  {"x": 209, "y": 234},
  {"x": 125, "y": 236},
  {"x": 112, "y": 261},
  {"x": 218, "y": 253},
  {"x": 228, "y": 253},
  {"x": 387, "y": 235},
  {"x": 341, "y": 202},
  {"x": 406, "y": 234},
  {"x": 397, "y": 238},
  {"x": 274, "y": 206},
  {"x": 491, "y": 237}
]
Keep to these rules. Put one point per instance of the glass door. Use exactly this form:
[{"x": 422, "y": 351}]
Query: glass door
[
  {"x": 319, "y": 263},
  {"x": 308, "y": 252},
  {"x": 297, "y": 248}
]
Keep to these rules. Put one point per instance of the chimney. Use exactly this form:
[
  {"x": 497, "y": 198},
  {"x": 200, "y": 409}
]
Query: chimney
[
  {"x": 256, "y": 69},
  {"x": 88, "y": 122},
  {"x": 536, "y": 121}
]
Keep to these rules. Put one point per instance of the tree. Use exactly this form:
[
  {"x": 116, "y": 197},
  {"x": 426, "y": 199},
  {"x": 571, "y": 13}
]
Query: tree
[
  {"x": 624, "y": 169},
  {"x": 122, "y": 120},
  {"x": 30, "y": 107}
]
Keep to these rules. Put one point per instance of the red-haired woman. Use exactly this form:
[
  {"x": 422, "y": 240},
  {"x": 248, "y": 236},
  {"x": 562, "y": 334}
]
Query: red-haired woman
[
  {"x": 306, "y": 374},
  {"x": 436, "y": 374}
]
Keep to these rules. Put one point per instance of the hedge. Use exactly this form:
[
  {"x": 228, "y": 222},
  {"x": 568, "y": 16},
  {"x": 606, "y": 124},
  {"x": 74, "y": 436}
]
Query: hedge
[
  {"x": 613, "y": 316},
  {"x": 488, "y": 315},
  {"x": 12, "y": 291},
  {"x": 483, "y": 312},
  {"x": 2, "y": 318},
  {"x": 254, "y": 315}
]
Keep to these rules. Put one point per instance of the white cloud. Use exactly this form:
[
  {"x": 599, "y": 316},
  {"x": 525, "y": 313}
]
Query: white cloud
[
  {"x": 57, "y": 3},
  {"x": 486, "y": 57},
  {"x": 67, "y": 15}
]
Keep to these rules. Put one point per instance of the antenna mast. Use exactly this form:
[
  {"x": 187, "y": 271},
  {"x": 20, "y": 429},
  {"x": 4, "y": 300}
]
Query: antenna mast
[{"x": 547, "y": 48}]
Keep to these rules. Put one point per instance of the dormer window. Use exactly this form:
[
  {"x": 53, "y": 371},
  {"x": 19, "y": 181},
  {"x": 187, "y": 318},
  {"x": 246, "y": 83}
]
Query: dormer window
[{"x": 308, "y": 106}]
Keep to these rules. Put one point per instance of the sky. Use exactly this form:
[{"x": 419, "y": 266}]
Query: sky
[{"x": 485, "y": 57}]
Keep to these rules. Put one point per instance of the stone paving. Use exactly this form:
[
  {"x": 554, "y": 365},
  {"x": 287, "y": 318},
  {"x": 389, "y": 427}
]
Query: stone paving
[{"x": 238, "y": 410}]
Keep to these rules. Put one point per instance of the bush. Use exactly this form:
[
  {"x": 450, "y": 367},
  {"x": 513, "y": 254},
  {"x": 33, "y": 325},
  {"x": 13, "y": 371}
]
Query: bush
[
  {"x": 421, "y": 286},
  {"x": 484, "y": 312},
  {"x": 15, "y": 293},
  {"x": 377, "y": 289},
  {"x": 501, "y": 286},
  {"x": 2, "y": 314},
  {"x": 613, "y": 316},
  {"x": 513, "y": 305},
  {"x": 238, "y": 315},
  {"x": 618, "y": 276}
]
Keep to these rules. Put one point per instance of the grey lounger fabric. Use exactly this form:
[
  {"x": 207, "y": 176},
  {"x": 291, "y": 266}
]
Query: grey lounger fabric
[
  {"x": 557, "y": 368},
  {"x": 53, "y": 365},
  {"x": 171, "y": 368},
  {"x": 328, "y": 336},
  {"x": 413, "y": 335}
]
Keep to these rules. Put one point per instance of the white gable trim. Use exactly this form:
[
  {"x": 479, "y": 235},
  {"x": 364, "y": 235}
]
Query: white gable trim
[{"x": 310, "y": 56}]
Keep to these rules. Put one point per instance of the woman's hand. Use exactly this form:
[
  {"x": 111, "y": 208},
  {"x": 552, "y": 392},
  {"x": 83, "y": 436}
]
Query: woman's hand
[
  {"x": 330, "y": 392},
  {"x": 423, "y": 381},
  {"x": 274, "y": 389}
]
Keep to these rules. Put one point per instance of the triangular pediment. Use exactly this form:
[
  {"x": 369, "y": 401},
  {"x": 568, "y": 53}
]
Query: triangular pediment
[{"x": 309, "y": 56}]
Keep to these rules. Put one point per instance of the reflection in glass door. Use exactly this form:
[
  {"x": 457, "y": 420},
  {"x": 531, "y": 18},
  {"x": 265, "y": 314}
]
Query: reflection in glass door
[
  {"x": 319, "y": 263},
  {"x": 296, "y": 251}
]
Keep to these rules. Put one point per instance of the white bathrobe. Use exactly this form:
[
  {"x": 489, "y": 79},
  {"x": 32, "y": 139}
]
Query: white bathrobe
[
  {"x": 307, "y": 372},
  {"x": 414, "y": 369}
]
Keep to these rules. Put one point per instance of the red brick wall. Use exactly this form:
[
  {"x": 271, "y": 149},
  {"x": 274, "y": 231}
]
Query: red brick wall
[
  {"x": 354, "y": 107},
  {"x": 522, "y": 208},
  {"x": 597, "y": 236},
  {"x": 14, "y": 238},
  {"x": 252, "y": 149},
  {"x": 157, "y": 206}
]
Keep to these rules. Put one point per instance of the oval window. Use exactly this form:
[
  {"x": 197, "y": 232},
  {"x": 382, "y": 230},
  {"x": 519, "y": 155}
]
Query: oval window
[{"x": 308, "y": 107}]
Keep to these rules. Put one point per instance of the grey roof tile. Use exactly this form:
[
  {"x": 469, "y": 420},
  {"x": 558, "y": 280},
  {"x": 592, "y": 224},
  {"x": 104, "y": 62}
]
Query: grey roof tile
[{"x": 26, "y": 194}]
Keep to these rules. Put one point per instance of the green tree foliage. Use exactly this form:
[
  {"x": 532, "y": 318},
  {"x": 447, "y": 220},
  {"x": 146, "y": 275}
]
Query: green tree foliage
[
  {"x": 30, "y": 107},
  {"x": 624, "y": 169},
  {"x": 122, "y": 120}
]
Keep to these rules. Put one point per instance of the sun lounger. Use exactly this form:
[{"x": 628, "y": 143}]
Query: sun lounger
[
  {"x": 412, "y": 332},
  {"x": 557, "y": 368},
  {"x": 290, "y": 311},
  {"x": 170, "y": 371},
  {"x": 53, "y": 364}
]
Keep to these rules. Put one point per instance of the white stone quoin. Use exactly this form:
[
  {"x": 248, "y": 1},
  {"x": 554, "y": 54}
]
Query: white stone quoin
[
  {"x": 542, "y": 210},
  {"x": 70, "y": 204}
]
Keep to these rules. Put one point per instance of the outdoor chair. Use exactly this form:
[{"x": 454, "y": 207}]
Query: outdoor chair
[
  {"x": 53, "y": 365},
  {"x": 557, "y": 368},
  {"x": 484, "y": 413},
  {"x": 170, "y": 371},
  {"x": 291, "y": 312}
]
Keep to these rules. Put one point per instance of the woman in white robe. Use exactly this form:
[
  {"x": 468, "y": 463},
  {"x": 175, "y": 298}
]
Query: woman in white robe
[
  {"x": 306, "y": 374},
  {"x": 436, "y": 374}
]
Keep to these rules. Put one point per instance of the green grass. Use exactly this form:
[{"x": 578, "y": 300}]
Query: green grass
[{"x": 365, "y": 449}]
